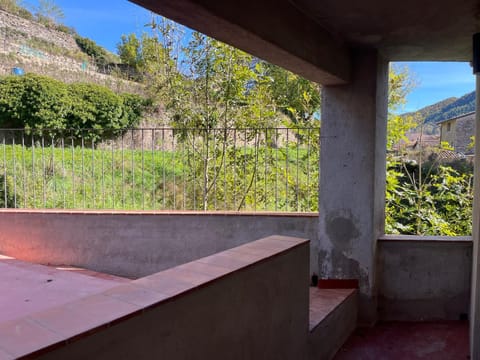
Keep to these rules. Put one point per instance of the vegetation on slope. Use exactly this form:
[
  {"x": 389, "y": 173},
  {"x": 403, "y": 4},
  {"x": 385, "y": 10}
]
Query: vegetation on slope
[
  {"x": 39, "y": 102},
  {"x": 445, "y": 109}
]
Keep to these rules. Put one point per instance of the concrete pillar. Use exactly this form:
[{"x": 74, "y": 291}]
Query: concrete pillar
[
  {"x": 475, "y": 299},
  {"x": 352, "y": 177}
]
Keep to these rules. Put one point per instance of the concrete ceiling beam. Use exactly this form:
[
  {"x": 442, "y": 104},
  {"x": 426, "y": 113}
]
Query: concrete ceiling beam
[{"x": 272, "y": 30}]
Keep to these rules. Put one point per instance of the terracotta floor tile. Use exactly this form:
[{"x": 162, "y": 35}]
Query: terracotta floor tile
[
  {"x": 163, "y": 284},
  {"x": 408, "y": 341},
  {"x": 66, "y": 322},
  {"x": 249, "y": 257},
  {"x": 101, "y": 307},
  {"x": 33, "y": 288},
  {"x": 6, "y": 356},
  {"x": 279, "y": 241},
  {"x": 226, "y": 260},
  {"x": 207, "y": 269},
  {"x": 192, "y": 277},
  {"x": 137, "y": 295},
  {"x": 324, "y": 301},
  {"x": 252, "y": 249},
  {"x": 22, "y": 337}
]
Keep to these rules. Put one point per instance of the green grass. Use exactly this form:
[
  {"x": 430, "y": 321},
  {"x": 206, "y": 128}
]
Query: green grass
[{"x": 86, "y": 178}]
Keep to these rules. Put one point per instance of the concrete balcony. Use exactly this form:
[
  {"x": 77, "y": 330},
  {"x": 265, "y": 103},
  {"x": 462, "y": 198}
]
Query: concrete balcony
[{"x": 190, "y": 286}]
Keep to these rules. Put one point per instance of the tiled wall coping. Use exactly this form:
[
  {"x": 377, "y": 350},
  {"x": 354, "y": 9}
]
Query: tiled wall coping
[
  {"x": 416, "y": 238},
  {"x": 157, "y": 212},
  {"x": 44, "y": 331}
]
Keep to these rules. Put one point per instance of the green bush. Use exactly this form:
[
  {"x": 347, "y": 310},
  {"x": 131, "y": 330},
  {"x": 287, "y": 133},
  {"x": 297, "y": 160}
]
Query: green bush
[
  {"x": 95, "y": 107},
  {"x": 438, "y": 203},
  {"x": 66, "y": 29},
  {"x": 33, "y": 101},
  {"x": 90, "y": 48},
  {"x": 11, "y": 93},
  {"x": 39, "y": 102},
  {"x": 24, "y": 13},
  {"x": 14, "y": 7},
  {"x": 133, "y": 107}
]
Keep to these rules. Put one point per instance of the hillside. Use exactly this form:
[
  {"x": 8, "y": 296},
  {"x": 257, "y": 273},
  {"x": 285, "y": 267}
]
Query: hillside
[
  {"x": 445, "y": 109},
  {"x": 45, "y": 50}
]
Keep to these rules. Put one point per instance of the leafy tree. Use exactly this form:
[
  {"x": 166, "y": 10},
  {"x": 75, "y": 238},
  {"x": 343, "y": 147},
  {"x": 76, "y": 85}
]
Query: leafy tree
[
  {"x": 129, "y": 50},
  {"x": 441, "y": 204},
  {"x": 400, "y": 85},
  {"x": 147, "y": 56},
  {"x": 296, "y": 97}
]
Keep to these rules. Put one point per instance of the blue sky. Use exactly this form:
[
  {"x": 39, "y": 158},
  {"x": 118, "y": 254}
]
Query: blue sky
[
  {"x": 106, "y": 21},
  {"x": 437, "y": 81}
]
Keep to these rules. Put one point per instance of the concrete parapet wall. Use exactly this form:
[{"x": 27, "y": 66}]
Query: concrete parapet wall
[
  {"x": 420, "y": 278},
  {"x": 139, "y": 244},
  {"x": 424, "y": 278},
  {"x": 250, "y": 302}
]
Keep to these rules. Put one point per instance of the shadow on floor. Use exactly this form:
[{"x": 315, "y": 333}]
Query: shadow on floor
[{"x": 408, "y": 341}]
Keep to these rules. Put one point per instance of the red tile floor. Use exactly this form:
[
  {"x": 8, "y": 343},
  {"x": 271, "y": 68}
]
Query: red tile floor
[
  {"x": 408, "y": 341},
  {"x": 27, "y": 288},
  {"x": 323, "y": 302}
]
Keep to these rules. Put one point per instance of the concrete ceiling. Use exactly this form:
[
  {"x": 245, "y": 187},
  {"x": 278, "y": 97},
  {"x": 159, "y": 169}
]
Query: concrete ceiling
[
  {"x": 315, "y": 38},
  {"x": 405, "y": 30}
]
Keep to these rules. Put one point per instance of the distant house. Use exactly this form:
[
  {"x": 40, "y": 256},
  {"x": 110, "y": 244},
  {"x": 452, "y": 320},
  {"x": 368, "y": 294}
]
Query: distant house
[{"x": 458, "y": 132}]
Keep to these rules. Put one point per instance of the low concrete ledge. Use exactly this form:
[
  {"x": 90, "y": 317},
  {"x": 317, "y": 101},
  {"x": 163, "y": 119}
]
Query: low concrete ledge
[
  {"x": 159, "y": 212},
  {"x": 246, "y": 302},
  {"x": 333, "y": 318},
  {"x": 424, "y": 278},
  {"x": 417, "y": 238}
]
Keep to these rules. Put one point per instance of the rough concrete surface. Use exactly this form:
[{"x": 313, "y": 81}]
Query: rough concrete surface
[
  {"x": 424, "y": 280},
  {"x": 135, "y": 245},
  {"x": 352, "y": 177},
  {"x": 260, "y": 312}
]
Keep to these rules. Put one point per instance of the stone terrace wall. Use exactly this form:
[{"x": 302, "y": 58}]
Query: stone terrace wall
[
  {"x": 62, "y": 59},
  {"x": 34, "y": 29}
]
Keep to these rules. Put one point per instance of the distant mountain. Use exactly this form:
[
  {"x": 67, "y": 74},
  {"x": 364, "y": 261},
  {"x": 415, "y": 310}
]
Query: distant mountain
[{"x": 445, "y": 109}]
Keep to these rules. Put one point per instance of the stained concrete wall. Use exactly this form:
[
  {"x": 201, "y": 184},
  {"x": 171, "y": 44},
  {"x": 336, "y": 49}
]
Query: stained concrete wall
[
  {"x": 139, "y": 244},
  {"x": 352, "y": 177},
  {"x": 424, "y": 278},
  {"x": 259, "y": 312},
  {"x": 418, "y": 278}
]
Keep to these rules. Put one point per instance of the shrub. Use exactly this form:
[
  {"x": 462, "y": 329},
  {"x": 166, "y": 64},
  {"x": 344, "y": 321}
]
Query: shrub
[
  {"x": 14, "y": 7},
  {"x": 90, "y": 48},
  {"x": 39, "y": 102},
  {"x": 133, "y": 107},
  {"x": 33, "y": 101},
  {"x": 95, "y": 107},
  {"x": 66, "y": 29}
]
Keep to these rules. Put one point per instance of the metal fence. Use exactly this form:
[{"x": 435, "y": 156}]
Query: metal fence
[{"x": 274, "y": 169}]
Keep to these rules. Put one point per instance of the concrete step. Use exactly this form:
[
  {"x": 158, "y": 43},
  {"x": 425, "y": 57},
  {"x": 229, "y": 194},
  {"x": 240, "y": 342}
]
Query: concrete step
[{"x": 333, "y": 317}]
